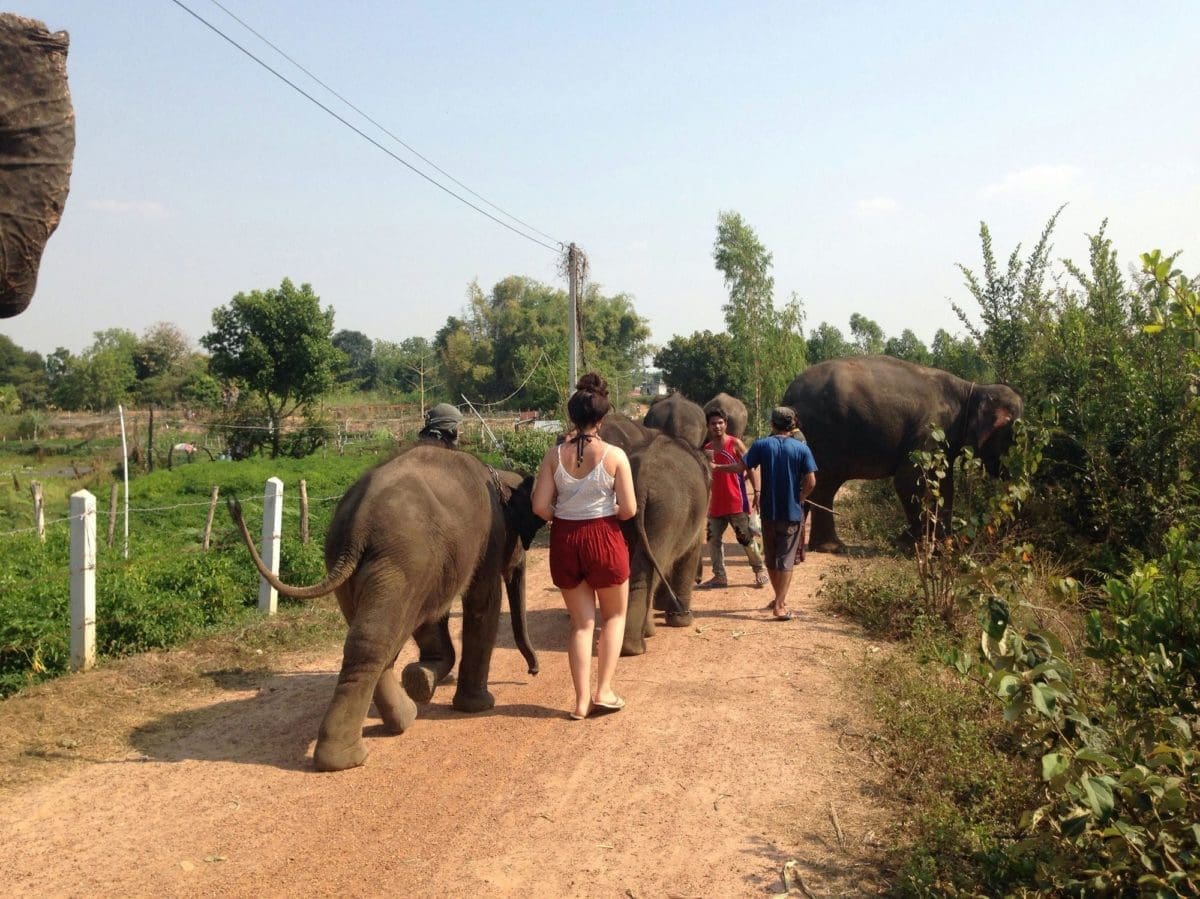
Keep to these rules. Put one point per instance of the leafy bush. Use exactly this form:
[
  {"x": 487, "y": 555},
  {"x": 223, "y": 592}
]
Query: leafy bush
[{"x": 524, "y": 448}]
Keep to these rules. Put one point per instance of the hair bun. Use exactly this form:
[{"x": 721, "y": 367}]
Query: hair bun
[{"x": 593, "y": 383}]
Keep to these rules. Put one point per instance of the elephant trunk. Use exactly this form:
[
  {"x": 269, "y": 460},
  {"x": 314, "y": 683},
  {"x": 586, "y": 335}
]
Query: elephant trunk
[
  {"x": 515, "y": 587},
  {"x": 37, "y": 145}
]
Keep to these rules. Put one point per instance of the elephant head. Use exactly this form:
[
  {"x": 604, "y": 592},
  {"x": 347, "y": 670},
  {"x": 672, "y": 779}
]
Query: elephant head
[
  {"x": 37, "y": 144},
  {"x": 991, "y": 411},
  {"x": 517, "y": 500}
]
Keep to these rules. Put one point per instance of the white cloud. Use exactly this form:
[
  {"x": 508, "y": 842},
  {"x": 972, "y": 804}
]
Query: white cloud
[
  {"x": 876, "y": 206},
  {"x": 144, "y": 209},
  {"x": 1037, "y": 179}
]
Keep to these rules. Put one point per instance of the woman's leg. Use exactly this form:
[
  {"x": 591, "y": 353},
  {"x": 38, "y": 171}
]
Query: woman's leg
[
  {"x": 614, "y": 602},
  {"x": 581, "y": 604}
]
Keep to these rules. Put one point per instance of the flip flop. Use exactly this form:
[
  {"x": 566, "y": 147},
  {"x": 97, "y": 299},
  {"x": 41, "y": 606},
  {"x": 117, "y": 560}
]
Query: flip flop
[
  {"x": 603, "y": 708},
  {"x": 787, "y": 616},
  {"x": 576, "y": 717}
]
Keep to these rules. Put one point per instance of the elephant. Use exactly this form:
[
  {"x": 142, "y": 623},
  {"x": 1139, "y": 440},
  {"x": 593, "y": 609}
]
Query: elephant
[
  {"x": 865, "y": 415},
  {"x": 678, "y": 416},
  {"x": 412, "y": 533},
  {"x": 37, "y": 146},
  {"x": 666, "y": 537},
  {"x": 734, "y": 411}
]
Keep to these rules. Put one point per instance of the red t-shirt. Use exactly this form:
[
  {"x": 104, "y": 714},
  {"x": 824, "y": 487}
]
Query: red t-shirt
[{"x": 728, "y": 488}]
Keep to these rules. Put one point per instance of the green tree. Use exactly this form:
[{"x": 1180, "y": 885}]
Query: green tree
[
  {"x": 701, "y": 365},
  {"x": 866, "y": 334},
  {"x": 359, "y": 368},
  {"x": 25, "y": 371},
  {"x": 746, "y": 264},
  {"x": 102, "y": 377},
  {"x": 278, "y": 344},
  {"x": 411, "y": 367},
  {"x": 959, "y": 356},
  {"x": 1013, "y": 304},
  {"x": 827, "y": 342},
  {"x": 908, "y": 347}
]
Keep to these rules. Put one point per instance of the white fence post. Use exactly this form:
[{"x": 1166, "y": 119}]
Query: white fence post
[
  {"x": 272, "y": 526},
  {"x": 39, "y": 509},
  {"x": 83, "y": 580}
]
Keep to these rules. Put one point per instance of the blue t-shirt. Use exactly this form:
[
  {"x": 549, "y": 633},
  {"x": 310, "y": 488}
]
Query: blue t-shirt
[{"x": 784, "y": 462}]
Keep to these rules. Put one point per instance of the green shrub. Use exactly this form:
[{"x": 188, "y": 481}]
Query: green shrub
[{"x": 523, "y": 449}]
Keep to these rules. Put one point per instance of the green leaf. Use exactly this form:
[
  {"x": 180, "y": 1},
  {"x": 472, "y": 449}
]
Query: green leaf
[
  {"x": 1099, "y": 795},
  {"x": 1043, "y": 699},
  {"x": 1054, "y": 764},
  {"x": 1097, "y": 757}
]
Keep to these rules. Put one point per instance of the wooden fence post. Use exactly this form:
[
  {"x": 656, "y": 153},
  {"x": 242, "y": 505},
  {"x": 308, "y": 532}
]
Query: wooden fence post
[
  {"x": 212, "y": 510},
  {"x": 112, "y": 513},
  {"x": 303, "y": 511},
  {"x": 272, "y": 525},
  {"x": 39, "y": 509},
  {"x": 83, "y": 580}
]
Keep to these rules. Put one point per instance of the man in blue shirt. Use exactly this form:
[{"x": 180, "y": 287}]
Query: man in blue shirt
[{"x": 788, "y": 477}]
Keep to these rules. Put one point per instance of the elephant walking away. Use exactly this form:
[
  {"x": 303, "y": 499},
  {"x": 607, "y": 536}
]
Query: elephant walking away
[
  {"x": 678, "y": 416},
  {"x": 666, "y": 536},
  {"x": 734, "y": 410},
  {"x": 37, "y": 147},
  {"x": 411, "y": 534},
  {"x": 865, "y": 415}
]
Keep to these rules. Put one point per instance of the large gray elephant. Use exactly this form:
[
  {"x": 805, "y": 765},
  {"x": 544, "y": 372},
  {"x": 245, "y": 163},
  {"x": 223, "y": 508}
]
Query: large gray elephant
[
  {"x": 37, "y": 146},
  {"x": 864, "y": 416},
  {"x": 411, "y": 534},
  {"x": 678, "y": 416},
  {"x": 734, "y": 411},
  {"x": 666, "y": 537}
]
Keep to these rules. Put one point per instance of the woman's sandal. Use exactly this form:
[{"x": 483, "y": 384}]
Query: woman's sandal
[{"x": 603, "y": 708}]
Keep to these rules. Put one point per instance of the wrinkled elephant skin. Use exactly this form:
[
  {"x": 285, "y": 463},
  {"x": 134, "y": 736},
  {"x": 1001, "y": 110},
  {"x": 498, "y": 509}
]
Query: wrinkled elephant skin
[
  {"x": 865, "y": 415},
  {"x": 678, "y": 416},
  {"x": 411, "y": 534},
  {"x": 734, "y": 410},
  {"x": 666, "y": 537},
  {"x": 37, "y": 146}
]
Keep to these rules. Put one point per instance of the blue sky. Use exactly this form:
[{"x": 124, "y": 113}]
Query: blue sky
[{"x": 864, "y": 143}]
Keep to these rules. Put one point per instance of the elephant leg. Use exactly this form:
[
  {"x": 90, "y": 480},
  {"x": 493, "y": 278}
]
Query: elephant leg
[
  {"x": 365, "y": 657},
  {"x": 823, "y": 537},
  {"x": 641, "y": 578},
  {"x": 481, "y": 621},
  {"x": 421, "y": 678},
  {"x": 683, "y": 585},
  {"x": 907, "y": 482},
  {"x": 395, "y": 706}
]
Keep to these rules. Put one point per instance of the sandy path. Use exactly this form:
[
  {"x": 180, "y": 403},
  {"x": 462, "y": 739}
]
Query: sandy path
[{"x": 723, "y": 767}]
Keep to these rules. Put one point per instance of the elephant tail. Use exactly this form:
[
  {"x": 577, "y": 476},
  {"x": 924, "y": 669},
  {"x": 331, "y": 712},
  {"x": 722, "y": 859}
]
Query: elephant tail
[
  {"x": 337, "y": 576},
  {"x": 640, "y": 523}
]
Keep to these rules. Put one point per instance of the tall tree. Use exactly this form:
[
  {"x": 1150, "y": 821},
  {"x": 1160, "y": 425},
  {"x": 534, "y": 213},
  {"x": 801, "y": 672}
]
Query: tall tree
[
  {"x": 410, "y": 366},
  {"x": 827, "y": 342},
  {"x": 907, "y": 347},
  {"x": 701, "y": 365},
  {"x": 358, "y": 349},
  {"x": 103, "y": 376},
  {"x": 25, "y": 371},
  {"x": 278, "y": 344},
  {"x": 866, "y": 334},
  {"x": 746, "y": 264}
]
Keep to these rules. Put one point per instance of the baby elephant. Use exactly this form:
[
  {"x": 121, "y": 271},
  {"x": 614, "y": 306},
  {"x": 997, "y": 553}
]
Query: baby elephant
[{"x": 414, "y": 532}]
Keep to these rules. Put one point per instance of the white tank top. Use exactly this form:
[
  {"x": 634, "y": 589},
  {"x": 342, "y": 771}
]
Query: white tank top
[{"x": 591, "y": 496}]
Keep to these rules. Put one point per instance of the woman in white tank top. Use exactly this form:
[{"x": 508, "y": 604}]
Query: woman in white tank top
[{"x": 584, "y": 488}]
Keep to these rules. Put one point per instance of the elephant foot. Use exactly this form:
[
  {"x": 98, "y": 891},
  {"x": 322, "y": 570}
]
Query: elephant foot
[
  {"x": 827, "y": 546},
  {"x": 330, "y": 757},
  {"x": 473, "y": 702},
  {"x": 419, "y": 682},
  {"x": 633, "y": 649},
  {"x": 396, "y": 709},
  {"x": 684, "y": 620}
]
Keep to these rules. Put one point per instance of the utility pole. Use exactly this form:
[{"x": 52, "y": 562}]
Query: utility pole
[{"x": 573, "y": 255}]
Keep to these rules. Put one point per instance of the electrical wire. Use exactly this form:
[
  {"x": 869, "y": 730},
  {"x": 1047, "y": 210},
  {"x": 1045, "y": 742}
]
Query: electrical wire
[
  {"x": 377, "y": 124},
  {"x": 361, "y": 133}
]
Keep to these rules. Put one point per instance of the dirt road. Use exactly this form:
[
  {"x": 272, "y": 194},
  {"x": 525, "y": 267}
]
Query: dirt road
[{"x": 740, "y": 749}]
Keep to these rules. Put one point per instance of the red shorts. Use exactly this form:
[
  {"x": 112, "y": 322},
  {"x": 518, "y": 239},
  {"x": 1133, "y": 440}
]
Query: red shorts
[{"x": 592, "y": 550}]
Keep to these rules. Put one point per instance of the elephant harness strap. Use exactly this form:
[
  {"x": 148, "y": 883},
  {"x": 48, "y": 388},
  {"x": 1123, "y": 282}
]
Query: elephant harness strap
[{"x": 502, "y": 492}]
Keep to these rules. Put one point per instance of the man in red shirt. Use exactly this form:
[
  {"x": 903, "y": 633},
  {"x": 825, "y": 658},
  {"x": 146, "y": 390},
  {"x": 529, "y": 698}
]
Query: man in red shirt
[{"x": 729, "y": 504}]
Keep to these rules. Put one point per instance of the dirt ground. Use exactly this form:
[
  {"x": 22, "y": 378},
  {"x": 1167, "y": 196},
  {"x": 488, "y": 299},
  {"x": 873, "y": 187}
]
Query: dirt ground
[{"x": 741, "y": 752}]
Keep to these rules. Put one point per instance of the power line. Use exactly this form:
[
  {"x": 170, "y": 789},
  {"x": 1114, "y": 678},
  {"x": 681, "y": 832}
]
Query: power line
[
  {"x": 377, "y": 124},
  {"x": 361, "y": 133}
]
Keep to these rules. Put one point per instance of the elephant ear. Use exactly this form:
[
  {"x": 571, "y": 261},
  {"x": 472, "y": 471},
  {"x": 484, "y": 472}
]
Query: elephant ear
[
  {"x": 37, "y": 146},
  {"x": 518, "y": 511},
  {"x": 988, "y": 417}
]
